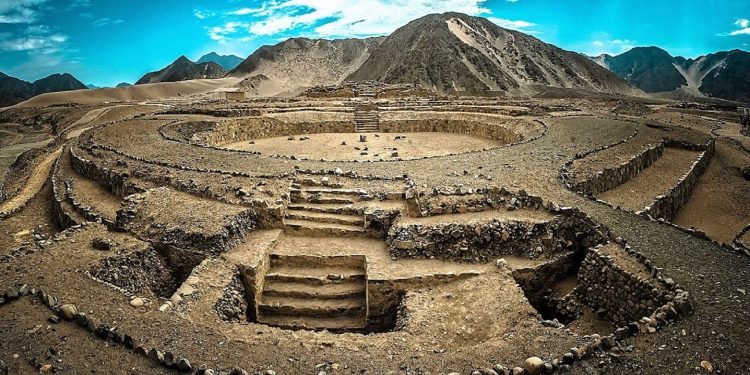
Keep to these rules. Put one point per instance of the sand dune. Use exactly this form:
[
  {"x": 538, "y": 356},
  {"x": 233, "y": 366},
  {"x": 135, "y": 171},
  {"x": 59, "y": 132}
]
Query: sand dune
[{"x": 154, "y": 91}]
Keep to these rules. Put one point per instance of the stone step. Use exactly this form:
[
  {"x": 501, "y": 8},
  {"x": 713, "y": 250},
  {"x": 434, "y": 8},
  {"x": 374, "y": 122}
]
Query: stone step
[
  {"x": 312, "y": 307},
  {"x": 326, "y": 291},
  {"x": 313, "y": 227},
  {"x": 340, "y": 323},
  {"x": 306, "y": 198},
  {"x": 326, "y": 190},
  {"x": 324, "y": 207},
  {"x": 315, "y": 275},
  {"x": 321, "y": 217},
  {"x": 304, "y": 262}
]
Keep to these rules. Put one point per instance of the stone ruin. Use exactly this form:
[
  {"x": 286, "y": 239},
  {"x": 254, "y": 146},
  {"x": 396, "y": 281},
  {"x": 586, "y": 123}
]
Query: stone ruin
[{"x": 180, "y": 226}]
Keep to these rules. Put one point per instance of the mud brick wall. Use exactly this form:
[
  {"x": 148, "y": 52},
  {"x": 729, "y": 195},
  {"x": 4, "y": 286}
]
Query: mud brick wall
[
  {"x": 667, "y": 206},
  {"x": 620, "y": 296},
  {"x": 613, "y": 177}
]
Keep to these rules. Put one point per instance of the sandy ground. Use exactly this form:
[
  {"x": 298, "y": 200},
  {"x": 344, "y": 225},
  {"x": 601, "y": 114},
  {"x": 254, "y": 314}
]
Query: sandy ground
[
  {"x": 33, "y": 185},
  {"x": 63, "y": 345},
  {"x": 720, "y": 204},
  {"x": 379, "y": 146},
  {"x": 655, "y": 180},
  {"x": 9, "y": 154},
  {"x": 153, "y": 91}
]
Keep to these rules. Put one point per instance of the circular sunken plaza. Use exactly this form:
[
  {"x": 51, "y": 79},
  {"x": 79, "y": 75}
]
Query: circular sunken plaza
[{"x": 378, "y": 234}]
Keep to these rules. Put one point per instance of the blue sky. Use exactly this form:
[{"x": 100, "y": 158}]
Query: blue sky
[{"x": 104, "y": 42}]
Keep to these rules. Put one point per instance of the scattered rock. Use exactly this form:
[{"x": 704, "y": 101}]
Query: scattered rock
[
  {"x": 68, "y": 311},
  {"x": 103, "y": 244},
  {"x": 137, "y": 302},
  {"x": 533, "y": 365}
]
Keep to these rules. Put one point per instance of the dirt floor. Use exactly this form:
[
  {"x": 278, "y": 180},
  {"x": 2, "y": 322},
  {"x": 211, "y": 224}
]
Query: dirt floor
[
  {"x": 720, "y": 204},
  {"x": 379, "y": 146},
  {"x": 33, "y": 184},
  {"x": 655, "y": 180}
]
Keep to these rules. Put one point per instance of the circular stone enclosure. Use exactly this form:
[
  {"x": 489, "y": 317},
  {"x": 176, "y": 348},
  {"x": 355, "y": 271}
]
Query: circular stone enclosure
[{"x": 331, "y": 136}]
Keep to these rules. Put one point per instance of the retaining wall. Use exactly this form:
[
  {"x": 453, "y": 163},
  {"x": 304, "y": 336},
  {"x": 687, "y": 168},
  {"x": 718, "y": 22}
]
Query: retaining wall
[
  {"x": 618, "y": 295},
  {"x": 245, "y": 129},
  {"x": 667, "y": 206},
  {"x": 612, "y": 177}
]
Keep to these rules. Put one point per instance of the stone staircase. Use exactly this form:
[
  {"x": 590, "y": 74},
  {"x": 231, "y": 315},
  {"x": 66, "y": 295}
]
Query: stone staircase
[
  {"x": 324, "y": 210},
  {"x": 366, "y": 119},
  {"x": 315, "y": 292}
]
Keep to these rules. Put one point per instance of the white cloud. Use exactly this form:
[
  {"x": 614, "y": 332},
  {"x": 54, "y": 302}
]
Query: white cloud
[
  {"x": 603, "y": 43},
  {"x": 202, "y": 14},
  {"x": 106, "y": 21},
  {"x": 341, "y": 18},
  {"x": 519, "y": 25},
  {"x": 221, "y": 33},
  {"x": 743, "y": 25},
  {"x": 43, "y": 43},
  {"x": 19, "y": 11}
]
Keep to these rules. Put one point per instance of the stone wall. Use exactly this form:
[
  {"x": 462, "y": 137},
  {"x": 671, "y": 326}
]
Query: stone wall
[
  {"x": 157, "y": 216},
  {"x": 252, "y": 273},
  {"x": 89, "y": 213},
  {"x": 461, "y": 200},
  {"x": 379, "y": 221},
  {"x": 667, "y": 206},
  {"x": 615, "y": 176},
  {"x": 62, "y": 216},
  {"x": 480, "y": 241},
  {"x": 248, "y": 128},
  {"x": 115, "y": 182},
  {"x": 494, "y": 132},
  {"x": 614, "y": 293},
  {"x": 501, "y": 128}
]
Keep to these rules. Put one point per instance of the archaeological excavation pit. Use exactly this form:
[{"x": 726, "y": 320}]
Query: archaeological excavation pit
[{"x": 341, "y": 259}]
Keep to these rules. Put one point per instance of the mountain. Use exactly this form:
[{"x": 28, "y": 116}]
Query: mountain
[
  {"x": 649, "y": 68},
  {"x": 453, "y": 51},
  {"x": 298, "y": 63},
  {"x": 228, "y": 62},
  {"x": 92, "y": 86},
  {"x": 57, "y": 82},
  {"x": 723, "y": 75},
  {"x": 14, "y": 90},
  {"x": 123, "y": 84},
  {"x": 183, "y": 69}
]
